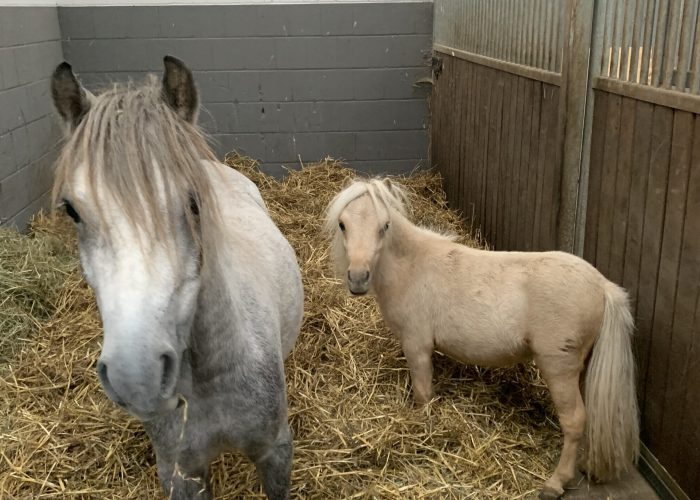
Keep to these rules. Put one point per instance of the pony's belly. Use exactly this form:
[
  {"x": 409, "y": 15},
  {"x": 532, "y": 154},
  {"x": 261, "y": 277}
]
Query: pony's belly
[{"x": 484, "y": 349}]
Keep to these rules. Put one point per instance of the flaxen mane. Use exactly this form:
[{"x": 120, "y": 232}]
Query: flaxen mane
[{"x": 136, "y": 148}]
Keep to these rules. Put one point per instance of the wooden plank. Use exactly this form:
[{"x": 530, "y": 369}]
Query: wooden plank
[
  {"x": 505, "y": 174},
  {"x": 484, "y": 113},
  {"x": 651, "y": 251},
  {"x": 517, "y": 69},
  {"x": 511, "y": 162},
  {"x": 600, "y": 113},
  {"x": 552, "y": 181},
  {"x": 526, "y": 144},
  {"x": 464, "y": 145},
  {"x": 661, "y": 363},
  {"x": 622, "y": 187},
  {"x": 493, "y": 150},
  {"x": 685, "y": 346},
  {"x": 532, "y": 176},
  {"x": 607, "y": 186},
  {"x": 471, "y": 182},
  {"x": 639, "y": 168},
  {"x": 663, "y": 97},
  {"x": 449, "y": 132},
  {"x": 513, "y": 208}
]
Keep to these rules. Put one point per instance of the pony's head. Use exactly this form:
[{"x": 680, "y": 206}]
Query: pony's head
[
  {"x": 358, "y": 221},
  {"x": 130, "y": 176}
]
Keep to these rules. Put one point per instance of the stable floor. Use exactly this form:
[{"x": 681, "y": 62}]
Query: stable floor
[{"x": 631, "y": 487}]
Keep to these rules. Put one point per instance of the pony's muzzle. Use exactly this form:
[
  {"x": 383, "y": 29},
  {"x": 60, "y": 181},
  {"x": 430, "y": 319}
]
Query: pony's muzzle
[
  {"x": 358, "y": 281},
  {"x": 143, "y": 386}
]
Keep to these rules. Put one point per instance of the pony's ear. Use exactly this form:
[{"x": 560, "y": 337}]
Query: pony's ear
[
  {"x": 389, "y": 185},
  {"x": 179, "y": 90},
  {"x": 70, "y": 98}
]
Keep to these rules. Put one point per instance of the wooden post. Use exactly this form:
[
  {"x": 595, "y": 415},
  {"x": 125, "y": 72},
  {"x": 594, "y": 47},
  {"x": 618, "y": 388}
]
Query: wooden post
[{"x": 576, "y": 68}]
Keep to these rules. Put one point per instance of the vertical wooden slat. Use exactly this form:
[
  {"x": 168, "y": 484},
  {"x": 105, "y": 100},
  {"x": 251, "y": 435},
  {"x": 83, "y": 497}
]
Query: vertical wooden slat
[
  {"x": 523, "y": 233},
  {"x": 662, "y": 328},
  {"x": 484, "y": 110},
  {"x": 637, "y": 196},
  {"x": 607, "y": 195},
  {"x": 523, "y": 14},
  {"x": 494, "y": 149},
  {"x": 547, "y": 50},
  {"x": 530, "y": 43},
  {"x": 520, "y": 121},
  {"x": 557, "y": 41},
  {"x": 651, "y": 246},
  {"x": 686, "y": 293},
  {"x": 621, "y": 204},
  {"x": 510, "y": 163},
  {"x": 532, "y": 178},
  {"x": 472, "y": 143},
  {"x": 502, "y": 171},
  {"x": 547, "y": 121},
  {"x": 689, "y": 330},
  {"x": 541, "y": 13},
  {"x": 595, "y": 176}
]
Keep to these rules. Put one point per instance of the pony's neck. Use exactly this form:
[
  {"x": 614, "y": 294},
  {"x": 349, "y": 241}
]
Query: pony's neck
[{"x": 398, "y": 256}]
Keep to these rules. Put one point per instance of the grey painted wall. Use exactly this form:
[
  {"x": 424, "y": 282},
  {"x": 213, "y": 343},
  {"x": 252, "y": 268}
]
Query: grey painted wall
[
  {"x": 30, "y": 48},
  {"x": 279, "y": 82}
]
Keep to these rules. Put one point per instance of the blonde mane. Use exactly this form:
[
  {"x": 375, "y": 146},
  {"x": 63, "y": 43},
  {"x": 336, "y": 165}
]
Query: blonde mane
[{"x": 136, "y": 148}]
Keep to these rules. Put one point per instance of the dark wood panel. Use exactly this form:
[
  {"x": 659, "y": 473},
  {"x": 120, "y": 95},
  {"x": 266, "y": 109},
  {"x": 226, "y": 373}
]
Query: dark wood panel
[
  {"x": 685, "y": 333},
  {"x": 622, "y": 190},
  {"x": 660, "y": 360},
  {"x": 607, "y": 187},
  {"x": 651, "y": 245},
  {"x": 495, "y": 142},
  {"x": 595, "y": 176}
]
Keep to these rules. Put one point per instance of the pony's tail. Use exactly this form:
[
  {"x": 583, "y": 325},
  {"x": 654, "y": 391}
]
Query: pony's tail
[{"x": 612, "y": 426}]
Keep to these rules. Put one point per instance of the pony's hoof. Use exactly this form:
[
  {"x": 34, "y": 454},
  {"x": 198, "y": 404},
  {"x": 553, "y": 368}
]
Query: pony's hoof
[{"x": 549, "y": 494}]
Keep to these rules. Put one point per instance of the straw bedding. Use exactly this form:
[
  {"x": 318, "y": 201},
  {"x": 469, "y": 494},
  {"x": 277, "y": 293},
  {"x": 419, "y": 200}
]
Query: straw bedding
[{"x": 357, "y": 433}]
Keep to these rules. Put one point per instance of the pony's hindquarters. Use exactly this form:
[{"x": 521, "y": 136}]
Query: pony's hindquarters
[{"x": 612, "y": 427}]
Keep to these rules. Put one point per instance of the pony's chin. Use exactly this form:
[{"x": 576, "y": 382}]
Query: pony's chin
[{"x": 165, "y": 407}]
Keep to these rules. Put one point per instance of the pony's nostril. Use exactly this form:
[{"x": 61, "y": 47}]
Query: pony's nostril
[
  {"x": 169, "y": 374},
  {"x": 104, "y": 380},
  {"x": 366, "y": 275}
]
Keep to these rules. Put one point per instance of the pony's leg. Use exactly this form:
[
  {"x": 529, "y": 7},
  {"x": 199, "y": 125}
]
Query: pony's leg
[
  {"x": 184, "y": 473},
  {"x": 564, "y": 388},
  {"x": 420, "y": 364},
  {"x": 274, "y": 466}
]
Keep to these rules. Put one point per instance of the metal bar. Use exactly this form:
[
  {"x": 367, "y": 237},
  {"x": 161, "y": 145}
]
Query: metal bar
[
  {"x": 672, "y": 39},
  {"x": 609, "y": 26},
  {"x": 541, "y": 7},
  {"x": 687, "y": 22},
  {"x": 659, "y": 43},
  {"x": 516, "y": 69},
  {"x": 663, "y": 97},
  {"x": 627, "y": 31},
  {"x": 694, "y": 83},
  {"x": 644, "y": 76},
  {"x": 547, "y": 62},
  {"x": 522, "y": 38},
  {"x": 637, "y": 31},
  {"x": 617, "y": 39}
]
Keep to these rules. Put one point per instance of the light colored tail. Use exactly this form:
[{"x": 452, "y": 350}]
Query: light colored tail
[{"x": 612, "y": 424}]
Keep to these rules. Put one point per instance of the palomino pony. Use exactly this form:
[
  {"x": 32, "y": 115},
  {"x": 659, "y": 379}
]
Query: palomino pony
[
  {"x": 495, "y": 309},
  {"x": 200, "y": 294}
]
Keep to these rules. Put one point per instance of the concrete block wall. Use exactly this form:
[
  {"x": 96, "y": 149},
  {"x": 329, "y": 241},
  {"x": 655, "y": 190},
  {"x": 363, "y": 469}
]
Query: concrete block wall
[
  {"x": 279, "y": 82},
  {"x": 30, "y": 48}
]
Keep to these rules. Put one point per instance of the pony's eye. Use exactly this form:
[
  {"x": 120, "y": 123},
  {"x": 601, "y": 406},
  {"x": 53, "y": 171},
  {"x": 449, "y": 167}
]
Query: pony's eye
[
  {"x": 384, "y": 229},
  {"x": 71, "y": 212},
  {"x": 341, "y": 226},
  {"x": 386, "y": 226}
]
